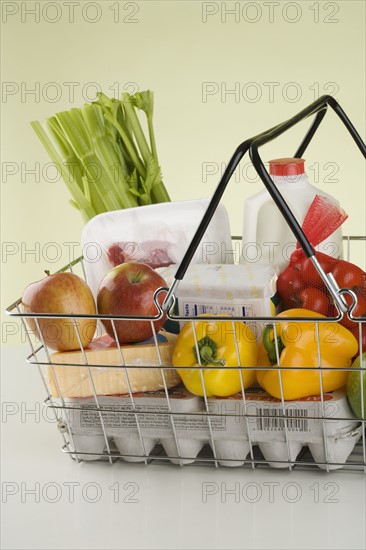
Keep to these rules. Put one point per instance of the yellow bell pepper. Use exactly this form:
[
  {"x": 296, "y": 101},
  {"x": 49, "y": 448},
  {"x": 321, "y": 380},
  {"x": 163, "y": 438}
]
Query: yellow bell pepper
[
  {"x": 297, "y": 347},
  {"x": 216, "y": 345}
]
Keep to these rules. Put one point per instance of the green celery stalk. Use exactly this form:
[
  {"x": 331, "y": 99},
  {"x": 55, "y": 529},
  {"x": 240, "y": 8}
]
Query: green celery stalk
[
  {"x": 145, "y": 102},
  {"x": 67, "y": 152},
  {"x": 133, "y": 121},
  {"x": 108, "y": 107},
  {"x": 103, "y": 155},
  {"x": 114, "y": 116},
  {"x": 130, "y": 148},
  {"x": 73, "y": 125},
  {"x": 93, "y": 194},
  {"x": 78, "y": 197},
  {"x": 87, "y": 190},
  {"x": 159, "y": 193},
  {"x": 93, "y": 117}
]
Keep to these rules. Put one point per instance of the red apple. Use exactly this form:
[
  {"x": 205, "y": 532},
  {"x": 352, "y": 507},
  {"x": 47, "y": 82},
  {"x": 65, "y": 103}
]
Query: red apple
[
  {"x": 64, "y": 293},
  {"x": 128, "y": 290}
]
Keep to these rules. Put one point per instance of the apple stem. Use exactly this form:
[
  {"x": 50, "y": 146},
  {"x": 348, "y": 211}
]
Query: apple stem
[
  {"x": 47, "y": 272},
  {"x": 136, "y": 278}
]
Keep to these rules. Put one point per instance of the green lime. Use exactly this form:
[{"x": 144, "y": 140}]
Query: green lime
[{"x": 354, "y": 386}]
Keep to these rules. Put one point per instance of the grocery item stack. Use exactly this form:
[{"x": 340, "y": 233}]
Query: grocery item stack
[{"x": 231, "y": 372}]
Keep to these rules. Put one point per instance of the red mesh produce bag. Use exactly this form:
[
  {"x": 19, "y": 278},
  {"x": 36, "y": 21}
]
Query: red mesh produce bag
[
  {"x": 300, "y": 285},
  {"x": 322, "y": 219}
]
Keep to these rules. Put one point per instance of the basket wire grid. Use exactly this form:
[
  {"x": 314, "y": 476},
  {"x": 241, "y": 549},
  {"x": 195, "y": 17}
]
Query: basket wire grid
[
  {"x": 63, "y": 408},
  {"x": 40, "y": 355}
]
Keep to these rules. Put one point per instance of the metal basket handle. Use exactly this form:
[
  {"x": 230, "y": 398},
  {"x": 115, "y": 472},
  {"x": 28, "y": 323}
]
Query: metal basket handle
[{"x": 318, "y": 108}]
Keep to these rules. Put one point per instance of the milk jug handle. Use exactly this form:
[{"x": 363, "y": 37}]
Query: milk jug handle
[
  {"x": 317, "y": 108},
  {"x": 251, "y": 216}
]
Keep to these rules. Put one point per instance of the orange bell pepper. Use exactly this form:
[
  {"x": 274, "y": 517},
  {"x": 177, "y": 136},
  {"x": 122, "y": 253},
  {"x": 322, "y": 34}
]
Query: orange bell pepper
[{"x": 297, "y": 346}]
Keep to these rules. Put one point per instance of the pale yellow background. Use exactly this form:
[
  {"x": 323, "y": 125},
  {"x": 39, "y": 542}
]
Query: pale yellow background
[{"x": 171, "y": 50}]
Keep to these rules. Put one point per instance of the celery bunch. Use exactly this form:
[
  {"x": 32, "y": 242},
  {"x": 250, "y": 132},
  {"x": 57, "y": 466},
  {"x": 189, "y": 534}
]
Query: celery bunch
[{"x": 103, "y": 154}]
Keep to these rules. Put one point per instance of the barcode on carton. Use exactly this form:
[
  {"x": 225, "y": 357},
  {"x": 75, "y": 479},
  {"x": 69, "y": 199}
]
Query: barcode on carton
[{"x": 274, "y": 420}]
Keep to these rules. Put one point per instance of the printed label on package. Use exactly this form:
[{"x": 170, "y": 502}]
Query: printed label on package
[
  {"x": 192, "y": 309},
  {"x": 153, "y": 419}
]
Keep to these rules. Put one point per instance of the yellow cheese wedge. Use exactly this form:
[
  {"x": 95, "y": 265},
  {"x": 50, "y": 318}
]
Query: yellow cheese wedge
[{"x": 104, "y": 369}]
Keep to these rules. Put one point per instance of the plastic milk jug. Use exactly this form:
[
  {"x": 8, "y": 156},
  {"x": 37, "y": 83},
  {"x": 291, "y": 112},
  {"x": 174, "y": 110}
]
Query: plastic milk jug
[{"x": 267, "y": 238}]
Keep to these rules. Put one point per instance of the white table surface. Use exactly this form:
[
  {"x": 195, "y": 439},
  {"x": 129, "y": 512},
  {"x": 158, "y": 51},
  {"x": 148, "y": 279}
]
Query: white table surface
[{"x": 48, "y": 501}]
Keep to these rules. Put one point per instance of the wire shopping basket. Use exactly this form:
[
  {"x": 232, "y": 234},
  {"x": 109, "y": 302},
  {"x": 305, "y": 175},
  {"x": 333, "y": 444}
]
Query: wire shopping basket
[{"x": 173, "y": 426}]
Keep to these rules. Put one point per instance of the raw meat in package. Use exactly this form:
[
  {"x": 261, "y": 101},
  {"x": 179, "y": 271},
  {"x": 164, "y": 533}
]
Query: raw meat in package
[{"x": 157, "y": 235}]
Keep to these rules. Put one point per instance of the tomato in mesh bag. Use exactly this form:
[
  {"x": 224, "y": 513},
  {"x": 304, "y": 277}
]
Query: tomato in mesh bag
[{"x": 300, "y": 285}]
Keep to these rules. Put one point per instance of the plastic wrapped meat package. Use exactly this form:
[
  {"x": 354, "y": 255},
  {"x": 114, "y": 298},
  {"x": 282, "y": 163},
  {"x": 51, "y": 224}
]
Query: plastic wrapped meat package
[{"x": 157, "y": 235}]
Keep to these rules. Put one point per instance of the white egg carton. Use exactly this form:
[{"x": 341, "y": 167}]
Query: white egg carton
[
  {"x": 327, "y": 427},
  {"x": 233, "y": 427}
]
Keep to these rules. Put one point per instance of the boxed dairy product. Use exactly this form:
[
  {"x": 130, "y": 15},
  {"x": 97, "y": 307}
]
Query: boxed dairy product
[
  {"x": 233, "y": 427},
  {"x": 246, "y": 290}
]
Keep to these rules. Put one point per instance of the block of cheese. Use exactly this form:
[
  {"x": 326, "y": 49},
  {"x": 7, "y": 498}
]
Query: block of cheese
[{"x": 69, "y": 376}]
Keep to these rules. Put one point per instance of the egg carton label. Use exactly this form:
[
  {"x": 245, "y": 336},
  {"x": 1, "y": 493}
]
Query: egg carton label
[
  {"x": 194, "y": 308},
  {"x": 151, "y": 417},
  {"x": 150, "y": 412}
]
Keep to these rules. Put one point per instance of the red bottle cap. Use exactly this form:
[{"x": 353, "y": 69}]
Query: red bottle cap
[{"x": 287, "y": 167}]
